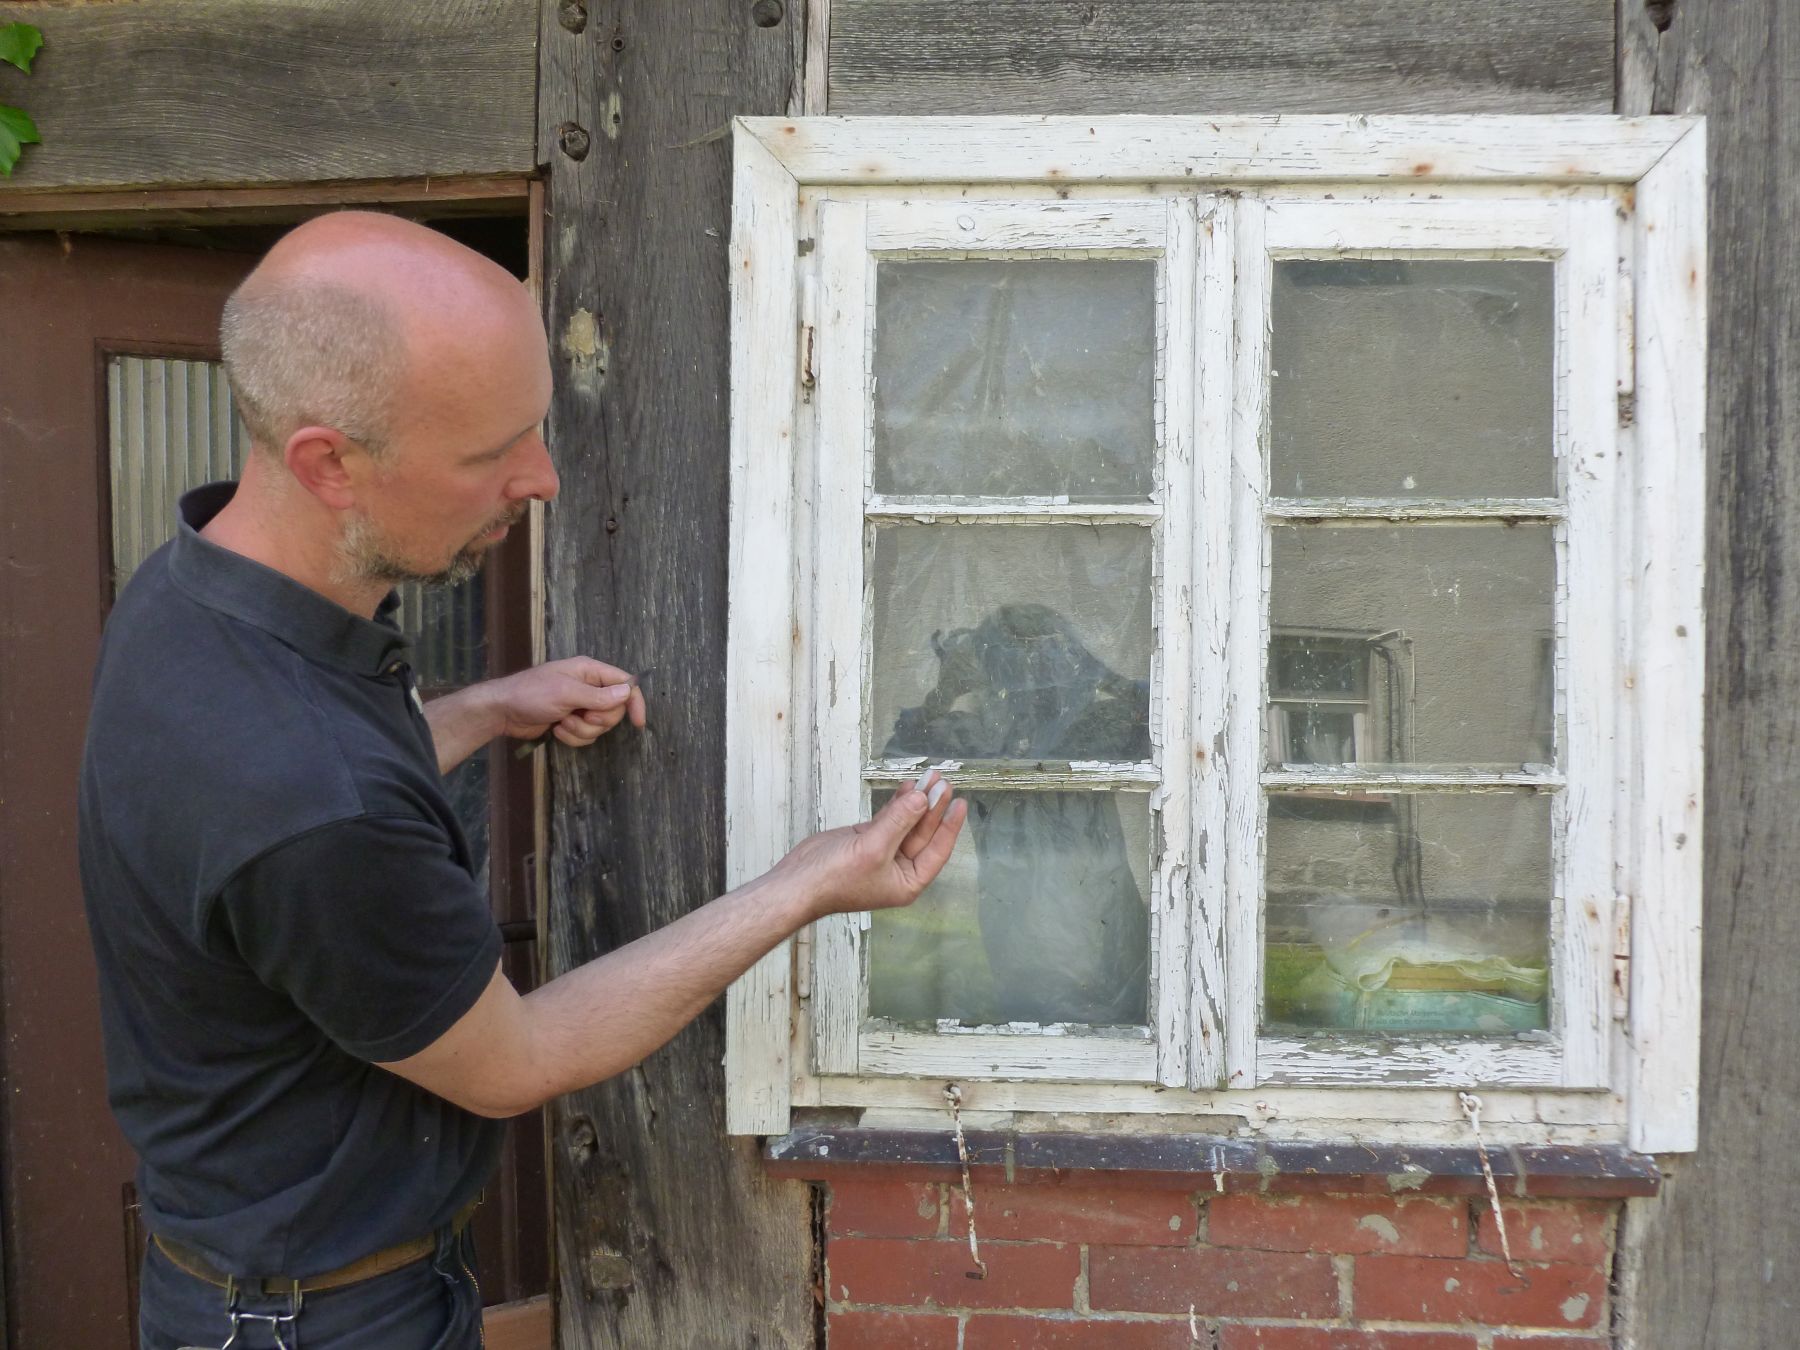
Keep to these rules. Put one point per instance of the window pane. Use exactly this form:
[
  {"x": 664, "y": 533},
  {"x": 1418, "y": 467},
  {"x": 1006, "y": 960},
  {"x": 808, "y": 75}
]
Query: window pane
[
  {"x": 1400, "y": 379},
  {"x": 1030, "y": 377},
  {"x": 448, "y": 628},
  {"x": 1041, "y": 915},
  {"x": 172, "y": 427},
  {"x": 1011, "y": 642},
  {"x": 1411, "y": 644},
  {"x": 1402, "y": 912}
]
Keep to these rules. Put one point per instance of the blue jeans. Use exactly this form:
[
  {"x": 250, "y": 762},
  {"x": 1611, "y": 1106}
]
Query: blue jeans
[{"x": 432, "y": 1304}]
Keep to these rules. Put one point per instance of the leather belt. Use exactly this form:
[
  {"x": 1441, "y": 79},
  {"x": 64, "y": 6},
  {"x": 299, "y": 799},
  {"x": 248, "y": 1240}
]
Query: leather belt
[{"x": 383, "y": 1262}]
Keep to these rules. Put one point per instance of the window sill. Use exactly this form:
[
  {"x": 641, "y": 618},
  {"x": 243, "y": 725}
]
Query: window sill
[{"x": 1601, "y": 1171}]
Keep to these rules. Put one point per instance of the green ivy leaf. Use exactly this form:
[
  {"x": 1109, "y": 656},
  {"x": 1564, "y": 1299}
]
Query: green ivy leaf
[
  {"x": 16, "y": 131},
  {"x": 19, "y": 42}
]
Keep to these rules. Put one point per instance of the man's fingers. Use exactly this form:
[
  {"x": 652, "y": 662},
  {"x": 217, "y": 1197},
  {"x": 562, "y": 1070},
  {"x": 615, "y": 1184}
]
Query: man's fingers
[
  {"x": 597, "y": 698},
  {"x": 888, "y": 830},
  {"x": 591, "y": 671},
  {"x": 931, "y": 859},
  {"x": 938, "y": 798}
]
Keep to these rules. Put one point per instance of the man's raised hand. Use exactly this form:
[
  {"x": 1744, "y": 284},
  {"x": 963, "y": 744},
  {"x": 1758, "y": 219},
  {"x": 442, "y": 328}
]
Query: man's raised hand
[{"x": 882, "y": 863}]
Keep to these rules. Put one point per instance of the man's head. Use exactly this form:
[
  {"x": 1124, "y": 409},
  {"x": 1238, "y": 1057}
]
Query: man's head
[{"x": 399, "y": 379}]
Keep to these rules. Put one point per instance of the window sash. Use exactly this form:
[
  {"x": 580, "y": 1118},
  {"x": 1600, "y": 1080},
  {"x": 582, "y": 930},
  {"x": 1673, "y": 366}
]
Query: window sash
[
  {"x": 1582, "y": 234},
  {"x": 853, "y": 237}
]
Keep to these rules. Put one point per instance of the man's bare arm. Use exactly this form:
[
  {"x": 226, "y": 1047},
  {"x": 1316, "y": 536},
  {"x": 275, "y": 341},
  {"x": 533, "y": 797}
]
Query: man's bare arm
[{"x": 509, "y": 1054}]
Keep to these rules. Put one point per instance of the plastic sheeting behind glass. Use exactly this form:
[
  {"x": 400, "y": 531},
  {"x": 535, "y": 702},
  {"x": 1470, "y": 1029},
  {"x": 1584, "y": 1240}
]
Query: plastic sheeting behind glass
[
  {"x": 1011, "y": 642},
  {"x": 1412, "y": 378},
  {"x": 1412, "y": 643},
  {"x": 1041, "y": 915},
  {"x": 1025, "y": 377},
  {"x": 1396, "y": 912}
]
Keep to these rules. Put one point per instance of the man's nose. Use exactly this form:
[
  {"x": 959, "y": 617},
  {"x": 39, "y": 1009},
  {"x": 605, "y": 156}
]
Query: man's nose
[{"x": 539, "y": 478}]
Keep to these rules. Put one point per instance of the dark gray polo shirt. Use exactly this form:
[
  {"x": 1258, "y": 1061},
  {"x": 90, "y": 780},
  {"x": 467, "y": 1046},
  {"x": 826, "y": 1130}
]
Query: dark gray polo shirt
[{"x": 279, "y": 894}]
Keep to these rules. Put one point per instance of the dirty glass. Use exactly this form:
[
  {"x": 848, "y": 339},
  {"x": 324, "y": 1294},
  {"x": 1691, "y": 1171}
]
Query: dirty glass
[
  {"x": 1411, "y": 644},
  {"x": 1019, "y": 642},
  {"x": 1041, "y": 915},
  {"x": 1393, "y": 378},
  {"x": 1408, "y": 912},
  {"x": 1023, "y": 377}
]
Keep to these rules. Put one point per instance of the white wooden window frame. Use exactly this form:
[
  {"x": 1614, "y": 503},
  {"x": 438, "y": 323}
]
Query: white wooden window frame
[{"x": 1620, "y": 204}]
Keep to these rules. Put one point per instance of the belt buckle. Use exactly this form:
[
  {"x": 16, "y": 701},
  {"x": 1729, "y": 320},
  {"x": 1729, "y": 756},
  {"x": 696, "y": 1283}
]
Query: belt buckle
[{"x": 274, "y": 1321}]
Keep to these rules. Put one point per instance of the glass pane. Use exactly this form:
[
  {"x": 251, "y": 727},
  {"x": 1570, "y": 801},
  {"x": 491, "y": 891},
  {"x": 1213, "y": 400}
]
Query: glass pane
[
  {"x": 1411, "y": 644},
  {"x": 1401, "y": 379},
  {"x": 1011, "y": 642},
  {"x": 1030, "y": 377},
  {"x": 448, "y": 628},
  {"x": 1041, "y": 915},
  {"x": 172, "y": 427},
  {"x": 1399, "y": 912},
  {"x": 467, "y": 787}
]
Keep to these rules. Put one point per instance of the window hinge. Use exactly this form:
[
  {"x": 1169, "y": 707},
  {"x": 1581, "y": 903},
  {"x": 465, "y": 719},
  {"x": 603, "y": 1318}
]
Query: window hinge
[
  {"x": 1621, "y": 958},
  {"x": 807, "y": 380}
]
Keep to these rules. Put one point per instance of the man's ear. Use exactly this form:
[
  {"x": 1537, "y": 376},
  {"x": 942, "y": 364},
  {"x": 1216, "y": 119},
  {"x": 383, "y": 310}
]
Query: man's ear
[{"x": 318, "y": 457}]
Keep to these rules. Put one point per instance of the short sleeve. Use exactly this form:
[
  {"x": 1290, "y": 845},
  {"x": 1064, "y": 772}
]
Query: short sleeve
[{"x": 371, "y": 926}]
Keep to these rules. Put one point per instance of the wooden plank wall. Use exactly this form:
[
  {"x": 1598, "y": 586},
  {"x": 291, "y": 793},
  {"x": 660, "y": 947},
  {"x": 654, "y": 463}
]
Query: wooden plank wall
[
  {"x": 1220, "y": 56},
  {"x": 1709, "y": 1265},
  {"x": 222, "y": 92},
  {"x": 668, "y": 1232}
]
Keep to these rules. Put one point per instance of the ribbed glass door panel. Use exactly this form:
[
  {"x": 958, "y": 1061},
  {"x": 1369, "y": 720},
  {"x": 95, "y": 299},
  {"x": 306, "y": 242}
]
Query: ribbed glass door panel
[{"x": 171, "y": 427}]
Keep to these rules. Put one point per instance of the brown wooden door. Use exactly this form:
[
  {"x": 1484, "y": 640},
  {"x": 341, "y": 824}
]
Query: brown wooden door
[
  {"x": 68, "y": 303},
  {"x": 70, "y": 308}
]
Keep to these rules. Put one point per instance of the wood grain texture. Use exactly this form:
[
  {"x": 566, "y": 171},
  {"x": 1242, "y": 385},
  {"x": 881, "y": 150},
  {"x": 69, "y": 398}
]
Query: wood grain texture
[
  {"x": 667, "y": 1231},
  {"x": 1706, "y": 1260},
  {"x": 91, "y": 209},
  {"x": 216, "y": 91},
  {"x": 1215, "y": 56}
]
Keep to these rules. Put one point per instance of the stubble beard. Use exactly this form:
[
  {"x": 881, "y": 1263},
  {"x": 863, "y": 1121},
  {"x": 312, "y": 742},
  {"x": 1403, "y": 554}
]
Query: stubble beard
[{"x": 366, "y": 555}]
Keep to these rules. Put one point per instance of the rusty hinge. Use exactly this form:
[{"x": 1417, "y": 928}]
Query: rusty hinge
[{"x": 1621, "y": 958}]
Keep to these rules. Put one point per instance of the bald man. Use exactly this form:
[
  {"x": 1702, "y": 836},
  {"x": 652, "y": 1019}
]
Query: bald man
[{"x": 309, "y": 1039}]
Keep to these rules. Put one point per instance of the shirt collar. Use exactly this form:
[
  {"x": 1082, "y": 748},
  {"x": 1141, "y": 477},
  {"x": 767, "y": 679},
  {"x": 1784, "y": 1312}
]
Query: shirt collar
[{"x": 320, "y": 629}]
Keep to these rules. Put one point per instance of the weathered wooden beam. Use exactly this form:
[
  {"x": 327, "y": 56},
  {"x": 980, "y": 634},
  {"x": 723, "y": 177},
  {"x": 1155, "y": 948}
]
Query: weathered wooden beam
[
  {"x": 1217, "y": 56},
  {"x": 1702, "y": 1265},
  {"x": 208, "y": 207},
  {"x": 668, "y": 1232},
  {"x": 218, "y": 91}
]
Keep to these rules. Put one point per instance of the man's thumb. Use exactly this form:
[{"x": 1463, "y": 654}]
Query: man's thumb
[{"x": 893, "y": 822}]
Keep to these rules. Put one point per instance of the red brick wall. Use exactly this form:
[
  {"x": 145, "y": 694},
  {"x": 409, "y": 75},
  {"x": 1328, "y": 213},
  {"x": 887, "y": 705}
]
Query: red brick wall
[{"x": 1080, "y": 1265}]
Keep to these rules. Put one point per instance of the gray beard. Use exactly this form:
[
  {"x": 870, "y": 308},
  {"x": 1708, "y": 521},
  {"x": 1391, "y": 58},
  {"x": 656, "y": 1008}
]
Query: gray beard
[{"x": 364, "y": 556}]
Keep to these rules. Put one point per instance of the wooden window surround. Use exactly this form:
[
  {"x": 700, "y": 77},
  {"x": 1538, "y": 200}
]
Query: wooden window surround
[{"x": 1615, "y": 205}]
